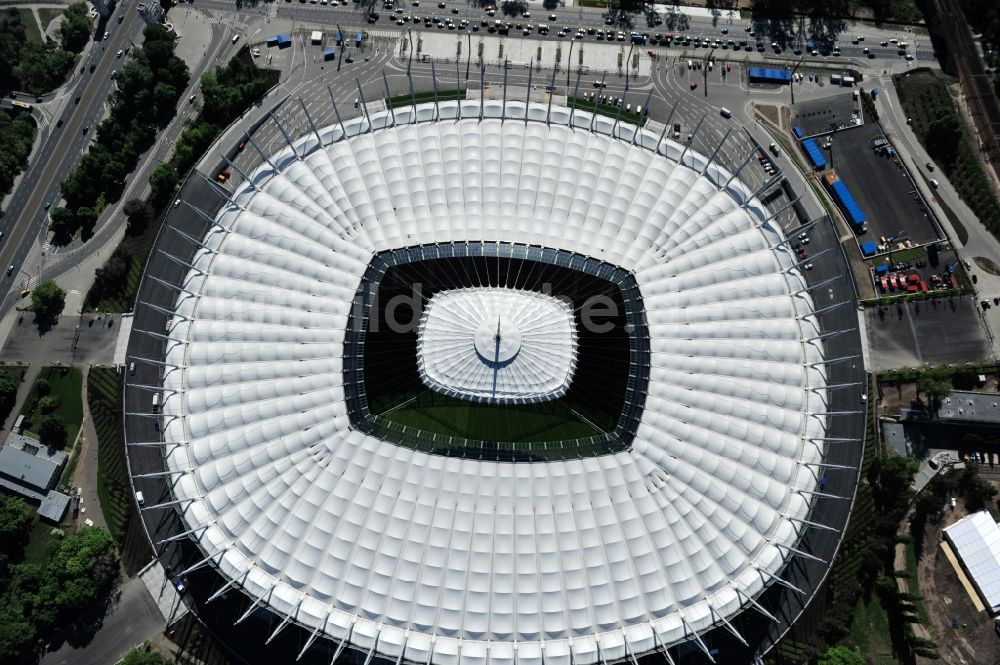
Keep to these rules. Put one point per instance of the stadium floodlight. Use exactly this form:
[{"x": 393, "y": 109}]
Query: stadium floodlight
[{"x": 505, "y": 333}]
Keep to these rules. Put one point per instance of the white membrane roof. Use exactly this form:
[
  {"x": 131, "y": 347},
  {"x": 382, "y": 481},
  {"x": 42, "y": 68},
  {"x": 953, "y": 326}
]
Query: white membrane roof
[
  {"x": 443, "y": 559},
  {"x": 976, "y": 539},
  {"x": 497, "y": 345}
]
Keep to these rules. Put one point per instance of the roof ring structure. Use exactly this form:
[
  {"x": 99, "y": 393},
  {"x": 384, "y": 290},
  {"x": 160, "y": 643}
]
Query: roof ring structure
[{"x": 438, "y": 559}]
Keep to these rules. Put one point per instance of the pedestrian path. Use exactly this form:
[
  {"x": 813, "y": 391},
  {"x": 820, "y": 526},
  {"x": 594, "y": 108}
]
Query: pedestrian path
[{"x": 171, "y": 604}]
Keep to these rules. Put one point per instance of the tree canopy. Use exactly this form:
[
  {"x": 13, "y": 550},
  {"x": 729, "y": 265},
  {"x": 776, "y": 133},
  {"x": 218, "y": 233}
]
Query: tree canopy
[
  {"x": 15, "y": 523},
  {"x": 47, "y": 300},
  {"x": 841, "y": 655},
  {"x": 935, "y": 383},
  {"x": 148, "y": 82},
  {"x": 140, "y": 656},
  {"x": 76, "y": 27},
  {"x": 52, "y": 432},
  {"x": 17, "y": 132}
]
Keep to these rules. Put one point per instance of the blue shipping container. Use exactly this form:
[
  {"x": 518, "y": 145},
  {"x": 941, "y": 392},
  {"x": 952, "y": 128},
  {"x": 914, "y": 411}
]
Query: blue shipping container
[
  {"x": 849, "y": 205},
  {"x": 815, "y": 154},
  {"x": 766, "y": 75}
]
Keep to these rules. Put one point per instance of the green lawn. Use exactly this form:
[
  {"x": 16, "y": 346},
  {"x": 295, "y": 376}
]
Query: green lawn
[
  {"x": 40, "y": 542},
  {"x": 486, "y": 422},
  {"x": 113, "y": 490},
  {"x": 424, "y": 97},
  {"x": 31, "y": 31},
  {"x": 66, "y": 383}
]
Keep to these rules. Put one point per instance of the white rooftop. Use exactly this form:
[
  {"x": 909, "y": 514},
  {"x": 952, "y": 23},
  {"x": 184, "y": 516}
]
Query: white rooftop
[
  {"x": 441, "y": 559},
  {"x": 497, "y": 345},
  {"x": 976, "y": 540}
]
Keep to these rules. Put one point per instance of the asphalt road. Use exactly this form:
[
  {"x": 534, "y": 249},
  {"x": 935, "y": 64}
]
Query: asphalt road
[
  {"x": 130, "y": 619},
  {"x": 60, "y": 151}
]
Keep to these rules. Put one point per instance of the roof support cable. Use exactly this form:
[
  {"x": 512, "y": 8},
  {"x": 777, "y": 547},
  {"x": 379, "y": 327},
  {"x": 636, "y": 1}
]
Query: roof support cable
[
  {"x": 810, "y": 524},
  {"x": 572, "y": 108},
  {"x": 171, "y": 285},
  {"x": 728, "y": 626},
  {"x": 822, "y": 495},
  {"x": 828, "y": 465},
  {"x": 183, "y": 534},
  {"x": 718, "y": 147},
  {"x": 835, "y": 386},
  {"x": 333, "y": 102},
  {"x": 319, "y": 139},
  {"x": 214, "y": 186},
  {"x": 168, "y": 504},
  {"x": 343, "y": 643},
  {"x": 666, "y": 126},
  {"x": 227, "y": 586},
  {"x": 697, "y": 639},
  {"x": 638, "y": 126},
  {"x": 242, "y": 173},
  {"x": 841, "y": 359},
  {"x": 207, "y": 560},
  {"x": 830, "y": 334},
  {"x": 208, "y": 218},
  {"x": 256, "y": 603},
  {"x": 163, "y": 310},
  {"x": 482, "y": 90},
  {"x": 193, "y": 240},
  {"x": 766, "y": 185},
  {"x": 527, "y": 99},
  {"x": 801, "y": 229},
  {"x": 263, "y": 155},
  {"x": 818, "y": 285},
  {"x": 183, "y": 264},
  {"x": 402, "y": 651},
  {"x": 364, "y": 105},
  {"x": 552, "y": 89},
  {"x": 312, "y": 637},
  {"x": 281, "y": 128},
  {"x": 284, "y": 622},
  {"x": 757, "y": 606},
  {"x": 155, "y": 444},
  {"x": 804, "y": 555},
  {"x": 162, "y": 474},
  {"x": 783, "y": 582},
  {"x": 434, "y": 80},
  {"x": 823, "y": 310},
  {"x": 658, "y": 645},
  {"x": 690, "y": 141},
  {"x": 835, "y": 439},
  {"x": 808, "y": 259},
  {"x": 739, "y": 169}
]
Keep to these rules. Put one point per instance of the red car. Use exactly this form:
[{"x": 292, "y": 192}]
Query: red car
[
  {"x": 693, "y": 85},
  {"x": 892, "y": 281},
  {"x": 885, "y": 283}
]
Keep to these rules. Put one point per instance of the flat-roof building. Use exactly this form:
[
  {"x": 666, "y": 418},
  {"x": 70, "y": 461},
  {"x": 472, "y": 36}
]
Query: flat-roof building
[{"x": 32, "y": 470}]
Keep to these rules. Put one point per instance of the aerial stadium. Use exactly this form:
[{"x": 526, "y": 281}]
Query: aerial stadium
[{"x": 494, "y": 382}]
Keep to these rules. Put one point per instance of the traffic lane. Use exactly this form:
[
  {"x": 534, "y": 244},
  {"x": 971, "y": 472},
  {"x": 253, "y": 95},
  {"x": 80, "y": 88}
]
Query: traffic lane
[{"x": 66, "y": 142}]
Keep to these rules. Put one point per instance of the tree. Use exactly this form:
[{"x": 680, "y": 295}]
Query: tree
[
  {"x": 47, "y": 300},
  {"x": 62, "y": 220},
  {"x": 163, "y": 180},
  {"x": 48, "y": 404},
  {"x": 81, "y": 571},
  {"x": 842, "y": 656},
  {"x": 15, "y": 525},
  {"x": 935, "y": 383},
  {"x": 109, "y": 279},
  {"x": 52, "y": 432},
  {"x": 138, "y": 214},
  {"x": 76, "y": 27},
  {"x": 140, "y": 656},
  {"x": 8, "y": 387}
]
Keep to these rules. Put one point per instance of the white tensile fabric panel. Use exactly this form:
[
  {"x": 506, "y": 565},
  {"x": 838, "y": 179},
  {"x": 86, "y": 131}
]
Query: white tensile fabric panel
[{"x": 446, "y": 559}]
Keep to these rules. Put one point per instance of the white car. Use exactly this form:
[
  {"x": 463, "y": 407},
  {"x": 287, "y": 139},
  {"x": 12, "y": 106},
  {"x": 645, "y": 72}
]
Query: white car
[
  {"x": 177, "y": 203},
  {"x": 119, "y": 54}
]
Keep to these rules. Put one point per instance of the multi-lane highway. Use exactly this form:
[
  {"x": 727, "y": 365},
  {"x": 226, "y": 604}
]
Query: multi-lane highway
[{"x": 60, "y": 149}]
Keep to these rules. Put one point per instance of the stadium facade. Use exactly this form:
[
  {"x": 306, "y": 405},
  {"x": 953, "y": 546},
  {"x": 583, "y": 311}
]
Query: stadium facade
[{"x": 682, "y": 503}]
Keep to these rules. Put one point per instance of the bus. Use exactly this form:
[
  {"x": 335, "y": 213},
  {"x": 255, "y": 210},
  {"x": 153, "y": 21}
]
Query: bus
[{"x": 21, "y": 105}]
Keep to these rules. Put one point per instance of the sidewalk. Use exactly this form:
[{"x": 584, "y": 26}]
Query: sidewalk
[{"x": 85, "y": 475}]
